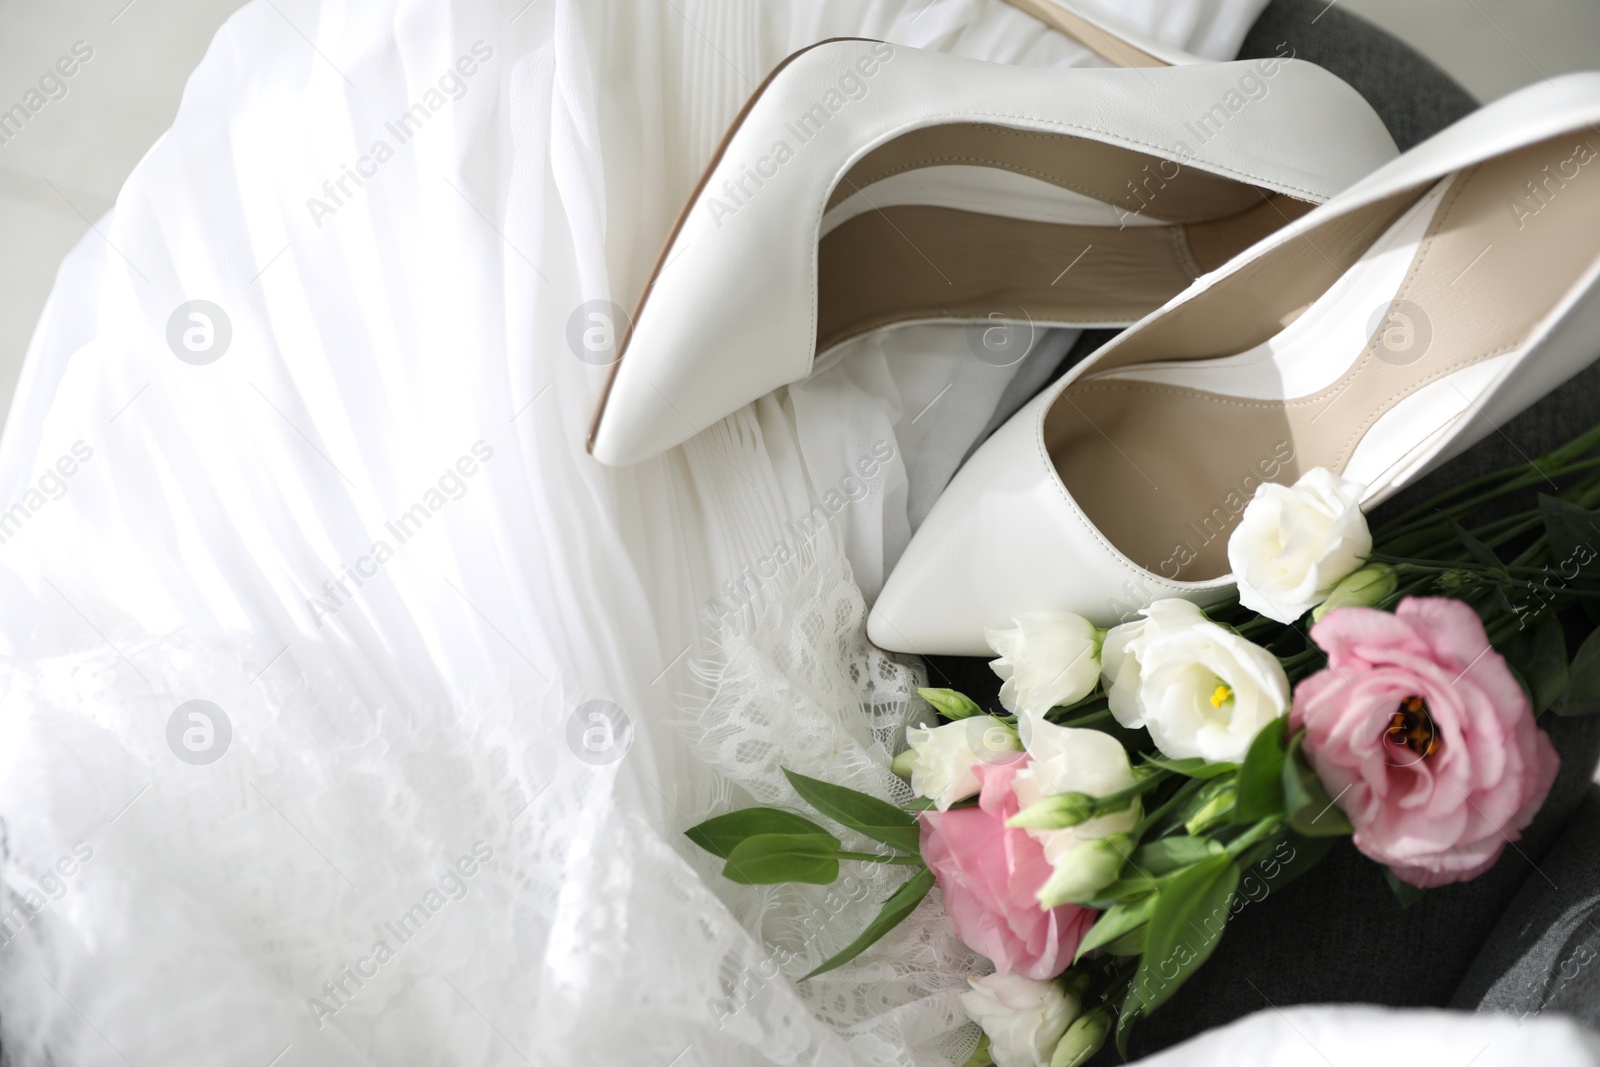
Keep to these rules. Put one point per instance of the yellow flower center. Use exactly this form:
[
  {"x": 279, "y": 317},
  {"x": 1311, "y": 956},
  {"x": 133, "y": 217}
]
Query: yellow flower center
[{"x": 1221, "y": 695}]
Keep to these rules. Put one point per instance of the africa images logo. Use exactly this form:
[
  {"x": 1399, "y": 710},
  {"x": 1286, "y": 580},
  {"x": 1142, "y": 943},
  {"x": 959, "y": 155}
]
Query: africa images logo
[
  {"x": 851, "y": 86},
  {"x": 452, "y": 85},
  {"x": 393, "y": 935}
]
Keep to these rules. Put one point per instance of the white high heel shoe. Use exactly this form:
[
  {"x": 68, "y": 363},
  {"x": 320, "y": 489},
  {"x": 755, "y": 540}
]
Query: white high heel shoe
[
  {"x": 867, "y": 185},
  {"x": 1378, "y": 336}
]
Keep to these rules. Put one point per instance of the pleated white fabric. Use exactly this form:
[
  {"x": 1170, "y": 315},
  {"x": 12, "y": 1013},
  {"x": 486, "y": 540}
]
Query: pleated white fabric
[{"x": 299, "y": 436}]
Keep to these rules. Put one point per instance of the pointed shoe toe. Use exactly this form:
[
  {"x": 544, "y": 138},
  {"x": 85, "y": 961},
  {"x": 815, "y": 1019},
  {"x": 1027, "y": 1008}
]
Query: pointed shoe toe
[{"x": 1006, "y": 538}]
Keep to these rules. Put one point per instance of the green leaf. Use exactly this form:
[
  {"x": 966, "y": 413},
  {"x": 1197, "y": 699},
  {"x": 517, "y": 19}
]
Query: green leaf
[
  {"x": 1193, "y": 767},
  {"x": 767, "y": 859},
  {"x": 1137, "y": 883},
  {"x": 1184, "y": 928},
  {"x": 1131, "y": 1008},
  {"x": 1479, "y": 551},
  {"x": 1167, "y": 854},
  {"x": 1125, "y": 890},
  {"x": 718, "y": 836},
  {"x": 1574, "y": 532},
  {"x": 1282, "y": 858},
  {"x": 951, "y": 704},
  {"x": 1407, "y": 894},
  {"x": 1131, "y": 943},
  {"x": 899, "y": 905},
  {"x": 1261, "y": 774},
  {"x": 1583, "y": 680},
  {"x": 1311, "y": 810},
  {"x": 864, "y": 814},
  {"x": 1115, "y": 922},
  {"x": 1135, "y": 886},
  {"x": 1539, "y": 656}
]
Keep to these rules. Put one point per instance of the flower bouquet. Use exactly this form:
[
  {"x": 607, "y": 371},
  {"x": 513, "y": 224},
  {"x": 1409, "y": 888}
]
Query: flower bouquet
[{"x": 1094, "y": 839}]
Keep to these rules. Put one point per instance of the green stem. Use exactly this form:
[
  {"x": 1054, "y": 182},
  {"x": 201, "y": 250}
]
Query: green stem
[
  {"x": 1522, "y": 524},
  {"x": 1080, "y": 704},
  {"x": 1312, "y": 655},
  {"x": 1115, "y": 802},
  {"x": 1440, "y": 566},
  {"x": 1256, "y": 625},
  {"x": 1084, "y": 719},
  {"x": 1261, "y": 829},
  {"x": 1456, "y": 511},
  {"x": 1564, "y": 455},
  {"x": 1424, "y": 515},
  {"x": 1532, "y": 551},
  {"x": 871, "y": 857},
  {"x": 1423, "y": 512},
  {"x": 1184, "y": 792},
  {"x": 1505, "y": 626},
  {"x": 1122, "y": 978},
  {"x": 1404, "y": 591}
]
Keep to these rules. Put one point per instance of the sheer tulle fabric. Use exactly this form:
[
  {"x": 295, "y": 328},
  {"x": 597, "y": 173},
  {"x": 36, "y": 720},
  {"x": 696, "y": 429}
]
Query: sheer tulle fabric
[{"x": 467, "y": 686}]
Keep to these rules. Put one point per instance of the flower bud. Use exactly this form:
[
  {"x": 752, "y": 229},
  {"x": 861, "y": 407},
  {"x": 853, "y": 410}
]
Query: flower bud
[
  {"x": 1081, "y": 874},
  {"x": 1366, "y": 587},
  {"x": 942, "y": 761},
  {"x": 1054, "y": 813},
  {"x": 1048, "y": 659},
  {"x": 1212, "y": 811},
  {"x": 1075, "y": 984},
  {"x": 1082, "y": 1039},
  {"x": 950, "y": 704},
  {"x": 1024, "y": 1018},
  {"x": 1457, "y": 582}
]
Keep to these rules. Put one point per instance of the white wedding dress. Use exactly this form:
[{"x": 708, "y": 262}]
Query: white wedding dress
[{"x": 464, "y": 687}]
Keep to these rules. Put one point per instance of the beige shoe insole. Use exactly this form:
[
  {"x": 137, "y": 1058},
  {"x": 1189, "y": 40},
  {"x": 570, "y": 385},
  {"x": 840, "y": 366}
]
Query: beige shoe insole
[
  {"x": 1164, "y": 470},
  {"x": 909, "y": 262}
]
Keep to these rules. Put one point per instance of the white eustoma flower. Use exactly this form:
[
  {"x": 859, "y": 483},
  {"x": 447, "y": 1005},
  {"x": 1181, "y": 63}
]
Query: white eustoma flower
[
  {"x": 1120, "y": 669},
  {"x": 1024, "y": 1018},
  {"x": 1294, "y": 543},
  {"x": 943, "y": 760},
  {"x": 1068, "y": 760},
  {"x": 1047, "y": 658},
  {"x": 1205, "y": 691}
]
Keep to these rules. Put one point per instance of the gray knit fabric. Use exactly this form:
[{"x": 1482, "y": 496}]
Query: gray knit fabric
[
  {"x": 1544, "y": 955},
  {"x": 1414, "y": 97}
]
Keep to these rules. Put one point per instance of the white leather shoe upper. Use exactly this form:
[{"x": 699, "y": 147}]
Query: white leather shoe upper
[
  {"x": 732, "y": 312},
  {"x": 1006, "y": 536}
]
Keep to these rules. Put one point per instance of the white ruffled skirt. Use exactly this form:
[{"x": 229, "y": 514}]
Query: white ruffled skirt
[{"x": 350, "y": 713}]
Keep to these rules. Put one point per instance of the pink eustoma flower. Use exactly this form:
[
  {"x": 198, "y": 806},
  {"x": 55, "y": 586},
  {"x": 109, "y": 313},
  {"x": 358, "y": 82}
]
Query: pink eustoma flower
[
  {"x": 989, "y": 876},
  {"x": 1426, "y": 740}
]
